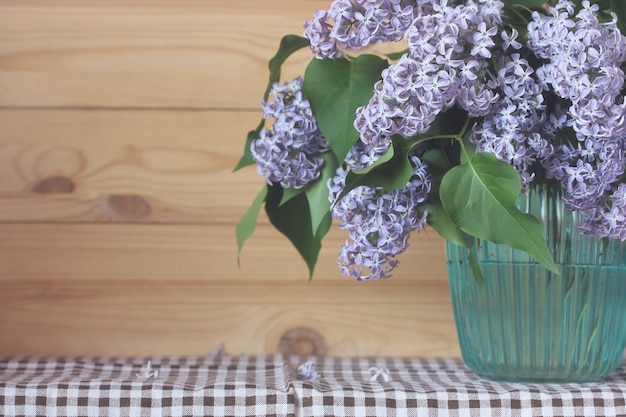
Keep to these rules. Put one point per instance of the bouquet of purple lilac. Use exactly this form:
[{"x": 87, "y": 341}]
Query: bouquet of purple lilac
[{"x": 484, "y": 99}]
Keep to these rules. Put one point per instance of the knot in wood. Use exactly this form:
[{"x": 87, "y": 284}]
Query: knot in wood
[
  {"x": 302, "y": 341},
  {"x": 129, "y": 206},
  {"x": 54, "y": 185}
]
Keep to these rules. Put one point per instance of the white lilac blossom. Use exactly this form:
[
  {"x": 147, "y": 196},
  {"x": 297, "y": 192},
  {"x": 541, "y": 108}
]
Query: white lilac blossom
[
  {"x": 379, "y": 223},
  {"x": 583, "y": 67},
  {"x": 288, "y": 152}
]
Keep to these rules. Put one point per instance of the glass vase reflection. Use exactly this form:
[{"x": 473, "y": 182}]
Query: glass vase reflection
[{"x": 525, "y": 323}]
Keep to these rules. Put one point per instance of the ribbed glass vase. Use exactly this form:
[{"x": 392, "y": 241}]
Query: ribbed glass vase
[{"x": 524, "y": 323}]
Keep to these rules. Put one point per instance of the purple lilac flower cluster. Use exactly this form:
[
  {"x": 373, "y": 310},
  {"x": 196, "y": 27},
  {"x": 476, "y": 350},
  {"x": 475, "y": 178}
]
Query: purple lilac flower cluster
[
  {"x": 353, "y": 24},
  {"x": 460, "y": 54},
  {"x": 378, "y": 223},
  {"x": 512, "y": 130},
  {"x": 583, "y": 59},
  {"x": 450, "y": 53},
  {"x": 288, "y": 152}
]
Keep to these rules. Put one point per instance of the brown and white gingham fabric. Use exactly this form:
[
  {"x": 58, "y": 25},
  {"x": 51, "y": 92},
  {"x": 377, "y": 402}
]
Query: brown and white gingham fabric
[
  {"x": 115, "y": 387},
  {"x": 269, "y": 386},
  {"x": 446, "y": 387}
]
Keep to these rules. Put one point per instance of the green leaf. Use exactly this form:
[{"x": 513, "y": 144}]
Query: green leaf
[
  {"x": 289, "y": 193},
  {"x": 324, "y": 226},
  {"x": 293, "y": 220},
  {"x": 438, "y": 218},
  {"x": 383, "y": 159},
  {"x": 246, "y": 159},
  {"x": 317, "y": 193},
  {"x": 288, "y": 45},
  {"x": 394, "y": 173},
  {"x": 336, "y": 88},
  {"x": 480, "y": 196},
  {"x": 247, "y": 224}
]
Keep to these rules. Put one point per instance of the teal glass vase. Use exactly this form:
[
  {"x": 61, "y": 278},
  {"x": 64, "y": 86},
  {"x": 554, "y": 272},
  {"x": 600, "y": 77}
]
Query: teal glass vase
[{"x": 525, "y": 323}]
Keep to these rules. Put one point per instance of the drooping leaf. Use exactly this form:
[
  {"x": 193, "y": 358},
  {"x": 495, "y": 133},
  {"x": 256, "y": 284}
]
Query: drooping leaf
[
  {"x": 288, "y": 45},
  {"x": 480, "y": 196},
  {"x": 289, "y": 193},
  {"x": 336, "y": 88},
  {"x": 293, "y": 220},
  {"x": 438, "y": 218},
  {"x": 246, "y": 158},
  {"x": 247, "y": 224},
  {"x": 324, "y": 226},
  {"x": 317, "y": 193}
]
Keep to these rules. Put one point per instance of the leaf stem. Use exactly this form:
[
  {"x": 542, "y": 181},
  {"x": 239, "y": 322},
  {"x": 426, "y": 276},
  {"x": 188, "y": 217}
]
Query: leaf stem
[
  {"x": 464, "y": 150},
  {"x": 459, "y": 138},
  {"x": 455, "y": 136}
]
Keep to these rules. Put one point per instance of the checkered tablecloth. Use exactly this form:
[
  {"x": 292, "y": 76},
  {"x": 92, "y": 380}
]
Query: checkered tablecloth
[{"x": 274, "y": 386}]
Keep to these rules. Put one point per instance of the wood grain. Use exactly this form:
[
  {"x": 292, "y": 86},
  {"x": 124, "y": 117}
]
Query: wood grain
[
  {"x": 120, "y": 124},
  {"x": 146, "y": 54},
  {"x": 190, "y": 54},
  {"x": 45, "y": 328},
  {"x": 156, "y": 289},
  {"x": 91, "y": 253},
  {"x": 178, "y": 165}
]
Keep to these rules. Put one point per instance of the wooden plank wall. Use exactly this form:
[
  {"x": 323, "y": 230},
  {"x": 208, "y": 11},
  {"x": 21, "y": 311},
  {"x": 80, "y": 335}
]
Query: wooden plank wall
[{"x": 120, "y": 123}]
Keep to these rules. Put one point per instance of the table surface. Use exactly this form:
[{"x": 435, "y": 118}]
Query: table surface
[{"x": 220, "y": 385}]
